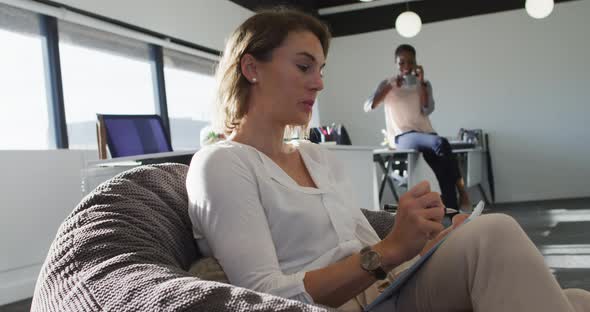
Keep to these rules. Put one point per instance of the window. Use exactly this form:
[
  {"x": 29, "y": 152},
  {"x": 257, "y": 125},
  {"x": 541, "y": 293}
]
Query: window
[
  {"x": 24, "y": 114},
  {"x": 102, "y": 73},
  {"x": 190, "y": 88}
]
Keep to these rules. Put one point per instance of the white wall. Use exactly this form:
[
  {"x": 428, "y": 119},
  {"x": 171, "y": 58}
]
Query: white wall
[
  {"x": 503, "y": 68},
  {"x": 524, "y": 81},
  {"x": 38, "y": 189}
]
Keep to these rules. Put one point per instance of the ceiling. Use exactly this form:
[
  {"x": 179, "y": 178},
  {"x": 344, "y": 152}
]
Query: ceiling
[{"x": 348, "y": 17}]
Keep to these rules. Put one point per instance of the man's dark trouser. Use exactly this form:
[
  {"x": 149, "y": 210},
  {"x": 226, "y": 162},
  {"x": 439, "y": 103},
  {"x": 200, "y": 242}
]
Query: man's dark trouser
[{"x": 438, "y": 154}]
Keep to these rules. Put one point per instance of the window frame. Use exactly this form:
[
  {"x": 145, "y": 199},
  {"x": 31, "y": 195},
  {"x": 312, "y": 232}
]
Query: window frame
[{"x": 50, "y": 13}]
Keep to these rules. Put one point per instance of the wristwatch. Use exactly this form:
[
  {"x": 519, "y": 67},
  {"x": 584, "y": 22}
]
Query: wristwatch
[{"x": 371, "y": 262}]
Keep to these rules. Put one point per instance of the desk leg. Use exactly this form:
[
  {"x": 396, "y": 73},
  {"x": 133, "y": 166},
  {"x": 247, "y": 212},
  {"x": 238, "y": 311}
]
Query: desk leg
[
  {"x": 386, "y": 169},
  {"x": 412, "y": 161},
  {"x": 390, "y": 181},
  {"x": 483, "y": 194},
  {"x": 381, "y": 163}
]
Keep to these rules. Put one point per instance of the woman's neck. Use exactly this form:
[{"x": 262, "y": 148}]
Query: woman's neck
[{"x": 262, "y": 135}]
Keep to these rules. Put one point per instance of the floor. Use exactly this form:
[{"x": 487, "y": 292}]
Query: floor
[{"x": 560, "y": 229}]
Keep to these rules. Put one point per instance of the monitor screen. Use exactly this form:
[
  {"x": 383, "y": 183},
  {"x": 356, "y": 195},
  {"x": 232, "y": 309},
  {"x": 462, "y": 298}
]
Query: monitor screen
[{"x": 129, "y": 135}]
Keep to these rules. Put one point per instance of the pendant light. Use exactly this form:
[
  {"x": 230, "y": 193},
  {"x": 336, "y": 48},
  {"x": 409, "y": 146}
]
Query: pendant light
[
  {"x": 539, "y": 8},
  {"x": 408, "y": 24}
]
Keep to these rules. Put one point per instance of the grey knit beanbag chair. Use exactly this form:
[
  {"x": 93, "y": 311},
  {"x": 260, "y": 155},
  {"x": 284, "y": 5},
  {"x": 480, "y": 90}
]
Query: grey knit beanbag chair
[{"x": 128, "y": 247}]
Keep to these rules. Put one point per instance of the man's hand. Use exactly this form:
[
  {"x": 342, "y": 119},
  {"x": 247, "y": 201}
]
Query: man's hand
[{"x": 420, "y": 73}]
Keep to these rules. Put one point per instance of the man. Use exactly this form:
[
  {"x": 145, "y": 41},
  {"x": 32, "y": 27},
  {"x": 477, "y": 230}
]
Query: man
[{"x": 408, "y": 102}]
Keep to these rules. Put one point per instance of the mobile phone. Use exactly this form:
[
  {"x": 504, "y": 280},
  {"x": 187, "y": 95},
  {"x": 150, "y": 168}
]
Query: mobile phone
[{"x": 410, "y": 80}]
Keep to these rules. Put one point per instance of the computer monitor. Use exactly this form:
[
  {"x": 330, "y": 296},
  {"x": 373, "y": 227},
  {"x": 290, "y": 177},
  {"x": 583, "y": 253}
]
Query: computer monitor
[{"x": 129, "y": 135}]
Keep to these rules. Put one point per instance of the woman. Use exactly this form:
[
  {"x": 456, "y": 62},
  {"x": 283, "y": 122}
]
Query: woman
[
  {"x": 408, "y": 102},
  {"x": 279, "y": 217}
]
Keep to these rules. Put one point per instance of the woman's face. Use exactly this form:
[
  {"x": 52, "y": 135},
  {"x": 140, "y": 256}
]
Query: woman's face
[
  {"x": 289, "y": 83},
  {"x": 406, "y": 62}
]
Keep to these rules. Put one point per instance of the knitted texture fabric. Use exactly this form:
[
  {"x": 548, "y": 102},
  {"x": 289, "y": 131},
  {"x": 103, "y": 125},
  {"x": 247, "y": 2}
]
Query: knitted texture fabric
[
  {"x": 128, "y": 246},
  {"x": 381, "y": 221}
]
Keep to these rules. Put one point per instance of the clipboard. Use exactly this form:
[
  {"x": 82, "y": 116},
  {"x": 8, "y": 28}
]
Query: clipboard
[{"x": 386, "y": 301}]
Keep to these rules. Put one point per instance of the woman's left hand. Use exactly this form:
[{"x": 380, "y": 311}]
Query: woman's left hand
[
  {"x": 420, "y": 73},
  {"x": 456, "y": 222}
]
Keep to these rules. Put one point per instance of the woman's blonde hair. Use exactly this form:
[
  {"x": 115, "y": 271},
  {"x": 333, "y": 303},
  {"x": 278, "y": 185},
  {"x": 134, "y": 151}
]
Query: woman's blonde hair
[{"x": 259, "y": 35}]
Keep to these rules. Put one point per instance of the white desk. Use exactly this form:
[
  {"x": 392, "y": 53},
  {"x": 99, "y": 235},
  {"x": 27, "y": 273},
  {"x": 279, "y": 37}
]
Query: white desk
[
  {"x": 471, "y": 163},
  {"x": 473, "y": 166},
  {"x": 357, "y": 161},
  {"x": 97, "y": 171},
  {"x": 473, "y": 169},
  {"x": 417, "y": 169}
]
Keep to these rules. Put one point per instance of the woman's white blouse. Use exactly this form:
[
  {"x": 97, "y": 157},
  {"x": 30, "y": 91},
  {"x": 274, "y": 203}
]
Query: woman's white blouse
[{"x": 265, "y": 230}]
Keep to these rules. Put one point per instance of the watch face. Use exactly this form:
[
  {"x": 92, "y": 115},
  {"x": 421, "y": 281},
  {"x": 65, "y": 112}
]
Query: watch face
[
  {"x": 371, "y": 260},
  {"x": 374, "y": 261}
]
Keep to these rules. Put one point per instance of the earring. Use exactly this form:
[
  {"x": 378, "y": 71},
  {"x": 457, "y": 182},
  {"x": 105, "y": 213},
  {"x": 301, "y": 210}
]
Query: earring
[{"x": 254, "y": 80}]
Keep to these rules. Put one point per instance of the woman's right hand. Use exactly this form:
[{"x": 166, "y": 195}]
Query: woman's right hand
[{"x": 418, "y": 219}]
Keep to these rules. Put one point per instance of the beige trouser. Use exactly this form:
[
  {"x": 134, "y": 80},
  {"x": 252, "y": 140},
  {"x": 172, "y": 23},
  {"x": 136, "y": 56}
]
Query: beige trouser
[{"x": 489, "y": 264}]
